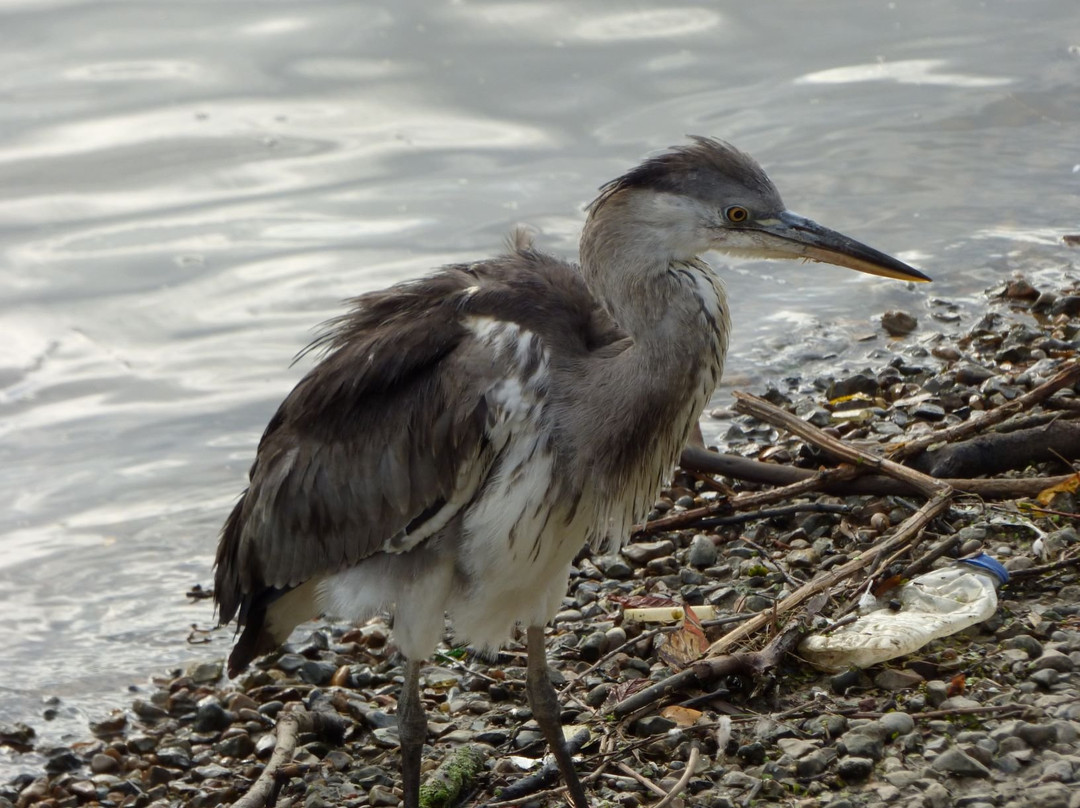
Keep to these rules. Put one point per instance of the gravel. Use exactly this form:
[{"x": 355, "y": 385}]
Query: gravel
[{"x": 987, "y": 717}]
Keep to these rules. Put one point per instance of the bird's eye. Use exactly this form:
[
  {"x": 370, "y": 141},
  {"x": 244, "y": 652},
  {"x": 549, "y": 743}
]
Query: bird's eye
[{"x": 736, "y": 214}]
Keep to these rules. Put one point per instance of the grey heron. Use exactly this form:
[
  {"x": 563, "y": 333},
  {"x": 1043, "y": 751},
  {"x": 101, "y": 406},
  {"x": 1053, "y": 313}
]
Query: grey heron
[{"x": 466, "y": 434}]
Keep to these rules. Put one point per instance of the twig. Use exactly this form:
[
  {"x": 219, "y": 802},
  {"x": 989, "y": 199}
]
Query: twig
[
  {"x": 763, "y": 410},
  {"x": 688, "y": 772},
  {"x": 1066, "y": 377},
  {"x": 705, "y": 670},
  {"x": 742, "y": 468},
  {"x": 906, "y": 534},
  {"x": 1031, "y": 572},
  {"x": 641, "y": 778},
  {"x": 289, "y": 726},
  {"x": 770, "y": 513}
]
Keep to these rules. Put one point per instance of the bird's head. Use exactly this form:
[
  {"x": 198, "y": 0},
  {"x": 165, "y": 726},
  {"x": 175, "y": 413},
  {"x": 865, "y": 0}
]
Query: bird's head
[{"x": 711, "y": 196}]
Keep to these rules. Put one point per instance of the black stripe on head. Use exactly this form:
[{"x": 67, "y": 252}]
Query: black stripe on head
[{"x": 700, "y": 170}]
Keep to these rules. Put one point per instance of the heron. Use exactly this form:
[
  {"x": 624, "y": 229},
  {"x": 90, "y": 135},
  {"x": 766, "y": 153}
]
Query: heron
[{"x": 465, "y": 435}]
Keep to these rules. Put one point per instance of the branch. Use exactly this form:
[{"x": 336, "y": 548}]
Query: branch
[
  {"x": 907, "y": 533},
  {"x": 742, "y": 468},
  {"x": 706, "y": 670},
  {"x": 1066, "y": 377},
  {"x": 764, "y": 411},
  {"x": 289, "y": 725}
]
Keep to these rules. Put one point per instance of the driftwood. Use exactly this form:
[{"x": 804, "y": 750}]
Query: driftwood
[
  {"x": 997, "y": 452},
  {"x": 263, "y": 791},
  {"x": 1068, "y": 376},
  {"x": 755, "y": 471},
  {"x": 763, "y": 410}
]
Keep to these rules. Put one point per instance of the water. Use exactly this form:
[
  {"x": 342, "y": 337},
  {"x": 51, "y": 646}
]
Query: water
[{"x": 187, "y": 189}]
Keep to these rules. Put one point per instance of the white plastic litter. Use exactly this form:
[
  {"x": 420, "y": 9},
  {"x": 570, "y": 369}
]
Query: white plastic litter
[{"x": 932, "y": 606}]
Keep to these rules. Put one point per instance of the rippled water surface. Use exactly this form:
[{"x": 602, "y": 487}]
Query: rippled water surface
[{"x": 188, "y": 188}]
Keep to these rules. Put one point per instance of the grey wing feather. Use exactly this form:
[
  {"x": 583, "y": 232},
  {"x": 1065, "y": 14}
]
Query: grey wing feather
[
  {"x": 345, "y": 463},
  {"x": 382, "y": 435}
]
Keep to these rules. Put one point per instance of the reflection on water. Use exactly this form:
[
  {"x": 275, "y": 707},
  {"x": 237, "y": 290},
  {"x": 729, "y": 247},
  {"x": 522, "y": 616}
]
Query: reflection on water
[{"x": 188, "y": 189}]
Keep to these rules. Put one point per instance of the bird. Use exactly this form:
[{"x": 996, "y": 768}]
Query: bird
[{"x": 465, "y": 435}]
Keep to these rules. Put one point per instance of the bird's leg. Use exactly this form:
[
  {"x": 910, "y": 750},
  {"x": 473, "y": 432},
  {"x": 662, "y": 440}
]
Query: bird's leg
[
  {"x": 412, "y": 730},
  {"x": 545, "y": 709}
]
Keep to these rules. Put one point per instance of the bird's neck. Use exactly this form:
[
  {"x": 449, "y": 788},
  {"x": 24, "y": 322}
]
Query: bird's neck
[
  {"x": 651, "y": 393},
  {"x": 670, "y": 302}
]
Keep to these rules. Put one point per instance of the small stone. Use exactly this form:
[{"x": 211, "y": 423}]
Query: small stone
[
  {"x": 1068, "y": 305},
  {"x": 752, "y": 754},
  {"x": 211, "y": 771},
  {"x": 527, "y": 737},
  {"x": 854, "y": 769},
  {"x": 702, "y": 552},
  {"x": 805, "y": 558},
  {"x": 842, "y": 682},
  {"x": 936, "y": 692},
  {"x": 613, "y": 566},
  {"x": 796, "y": 747},
  {"x": 1025, "y": 642},
  {"x": 956, "y": 761},
  {"x": 159, "y": 775},
  {"x": 271, "y": 708},
  {"x": 211, "y": 716},
  {"x": 896, "y": 724},
  {"x": 1053, "y": 660},
  {"x": 1046, "y": 678},
  {"x": 894, "y": 680},
  {"x": 815, "y": 763},
  {"x": 1059, "y": 771},
  {"x": 85, "y": 790},
  {"x": 107, "y": 727},
  {"x": 141, "y": 744},
  {"x": 936, "y": 796},
  {"x": 174, "y": 756},
  {"x": 856, "y": 744},
  {"x": 147, "y": 711},
  {"x": 593, "y": 646},
  {"x": 204, "y": 672},
  {"x": 62, "y": 760},
  {"x": 651, "y": 725},
  {"x": 817, "y": 416},
  {"x": 290, "y": 663},
  {"x": 380, "y": 795},
  {"x": 972, "y": 375},
  {"x": 235, "y": 746},
  {"x": 929, "y": 411},
  {"x": 857, "y": 383},
  {"x": 1036, "y": 735},
  {"x": 103, "y": 764},
  {"x": 317, "y": 672},
  {"x": 898, "y": 323},
  {"x": 643, "y": 552}
]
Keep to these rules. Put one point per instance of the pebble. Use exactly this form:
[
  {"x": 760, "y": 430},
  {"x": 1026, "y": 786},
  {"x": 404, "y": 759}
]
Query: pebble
[
  {"x": 702, "y": 552},
  {"x": 898, "y": 323},
  {"x": 956, "y": 761},
  {"x": 642, "y": 552},
  {"x": 894, "y": 680},
  {"x": 198, "y": 740},
  {"x": 854, "y": 769}
]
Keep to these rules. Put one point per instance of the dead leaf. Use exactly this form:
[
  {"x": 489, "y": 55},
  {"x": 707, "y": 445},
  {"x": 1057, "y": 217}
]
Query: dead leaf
[
  {"x": 687, "y": 644},
  {"x": 682, "y": 716},
  {"x": 1070, "y": 486}
]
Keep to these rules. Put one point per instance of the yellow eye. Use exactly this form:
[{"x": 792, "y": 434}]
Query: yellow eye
[{"x": 736, "y": 214}]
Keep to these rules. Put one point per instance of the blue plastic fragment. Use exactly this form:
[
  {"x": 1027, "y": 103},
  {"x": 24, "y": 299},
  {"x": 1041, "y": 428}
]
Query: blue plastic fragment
[{"x": 990, "y": 564}]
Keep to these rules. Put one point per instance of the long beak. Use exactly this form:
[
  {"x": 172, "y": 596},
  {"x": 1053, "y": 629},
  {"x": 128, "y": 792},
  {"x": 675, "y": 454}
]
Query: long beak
[{"x": 794, "y": 236}]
